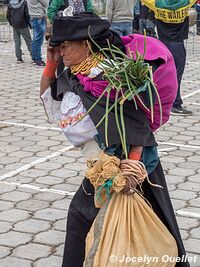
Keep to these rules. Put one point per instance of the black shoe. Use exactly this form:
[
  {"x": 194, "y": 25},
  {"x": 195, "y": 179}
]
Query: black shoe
[
  {"x": 180, "y": 111},
  {"x": 19, "y": 61},
  {"x": 40, "y": 63}
]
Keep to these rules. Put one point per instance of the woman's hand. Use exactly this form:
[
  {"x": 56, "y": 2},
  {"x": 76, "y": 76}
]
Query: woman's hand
[
  {"x": 130, "y": 186},
  {"x": 53, "y": 53}
]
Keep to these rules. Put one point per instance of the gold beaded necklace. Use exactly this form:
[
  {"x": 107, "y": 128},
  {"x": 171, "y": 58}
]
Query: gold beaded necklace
[{"x": 85, "y": 66}]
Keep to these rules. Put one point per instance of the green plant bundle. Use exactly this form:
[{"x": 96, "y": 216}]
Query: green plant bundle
[{"x": 128, "y": 76}]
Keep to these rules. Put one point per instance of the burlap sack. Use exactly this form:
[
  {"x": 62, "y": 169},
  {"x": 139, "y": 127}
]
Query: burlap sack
[{"x": 127, "y": 232}]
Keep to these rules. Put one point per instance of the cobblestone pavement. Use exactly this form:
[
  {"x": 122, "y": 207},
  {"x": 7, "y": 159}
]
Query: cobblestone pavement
[{"x": 40, "y": 170}]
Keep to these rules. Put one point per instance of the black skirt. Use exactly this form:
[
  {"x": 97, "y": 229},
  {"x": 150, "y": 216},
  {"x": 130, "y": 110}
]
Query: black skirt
[{"x": 82, "y": 213}]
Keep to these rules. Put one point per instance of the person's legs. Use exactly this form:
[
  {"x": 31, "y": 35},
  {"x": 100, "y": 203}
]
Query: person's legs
[
  {"x": 179, "y": 54},
  {"x": 136, "y": 25},
  {"x": 198, "y": 23},
  {"x": 17, "y": 39},
  {"x": 38, "y": 26},
  {"x": 122, "y": 28},
  {"x": 81, "y": 215},
  {"x": 27, "y": 38}
]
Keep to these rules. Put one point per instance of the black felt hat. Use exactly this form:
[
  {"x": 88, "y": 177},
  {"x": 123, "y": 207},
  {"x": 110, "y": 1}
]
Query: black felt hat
[{"x": 78, "y": 27}]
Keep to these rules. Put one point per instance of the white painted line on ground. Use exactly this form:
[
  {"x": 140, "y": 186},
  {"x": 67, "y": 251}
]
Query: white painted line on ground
[
  {"x": 188, "y": 214},
  {"x": 191, "y": 94},
  {"x": 30, "y": 126},
  {"x": 30, "y": 165},
  {"x": 193, "y": 62},
  {"x": 166, "y": 149},
  {"x": 163, "y": 151},
  {"x": 196, "y": 104},
  {"x": 178, "y": 145},
  {"x": 182, "y": 213},
  {"x": 37, "y": 188},
  {"x": 189, "y": 81}
]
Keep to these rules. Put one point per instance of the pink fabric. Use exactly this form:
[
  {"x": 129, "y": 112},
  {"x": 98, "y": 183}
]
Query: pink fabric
[
  {"x": 165, "y": 77},
  {"x": 96, "y": 88}
]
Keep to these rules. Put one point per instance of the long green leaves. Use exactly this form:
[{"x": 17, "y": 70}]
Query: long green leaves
[{"x": 129, "y": 76}]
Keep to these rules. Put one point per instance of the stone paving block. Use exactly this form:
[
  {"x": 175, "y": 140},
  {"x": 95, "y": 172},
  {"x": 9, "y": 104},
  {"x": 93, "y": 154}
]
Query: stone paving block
[
  {"x": 59, "y": 250},
  {"x": 75, "y": 166},
  {"x": 178, "y": 204},
  {"x": 20, "y": 154},
  {"x": 189, "y": 165},
  {"x": 5, "y": 205},
  {"x": 32, "y": 226},
  {"x": 168, "y": 166},
  {"x": 52, "y": 261},
  {"x": 173, "y": 159},
  {"x": 15, "y": 262},
  {"x": 179, "y": 153},
  {"x": 13, "y": 215},
  {"x": 50, "y": 214},
  {"x": 61, "y": 204},
  {"x": 28, "y": 160},
  {"x": 8, "y": 160},
  {"x": 34, "y": 148},
  {"x": 63, "y": 173},
  {"x": 192, "y": 245},
  {"x": 49, "y": 180},
  {"x": 65, "y": 160},
  {"x": 48, "y": 143},
  {"x": 184, "y": 234},
  {"x": 187, "y": 223},
  {"x": 181, "y": 172},
  {"x": 34, "y": 173},
  {"x": 15, "y": 196},
  {"x": 195, "y": 233},
  {"x": 189, "y": 186},
  {"x": 183, "y": 194},
  {"x": 194, "y": 178},
  {"x": 195, "y": 202},
  {"x": 66, "y": 187},
  {"x": 14, "y": 239},
  {"x": 32, "y": 251},
  {"x": 10, "y": 138},
  {"x": 4, "y": 251},
  {"x": 48, "y": 166},
  {"x": 60, "y": 225},
  {"x": 5, "y": 227},
  {"x": 174, "y": 179},
  {"x": 47, "y": 196},
  {"x": 75, "y": 153},
  {"x": 13, "y": 166},
  {"x": 51, "y": 237},
  {"x": 77, "y": 180},
  {"x": 196, "y": 260},
  {"x": 183, "y": 138}
]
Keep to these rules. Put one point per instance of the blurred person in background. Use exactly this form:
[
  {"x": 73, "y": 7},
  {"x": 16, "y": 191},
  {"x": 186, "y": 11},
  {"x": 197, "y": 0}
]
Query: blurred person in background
[
  {"x": 56, "y": 6},
  {"x": 146, "y": 22},
  {"x": 18, "y": 18},
  {"x": 120, "y": 15},
  {"x": 37, "y": 11},
  {"x": 136, "y": 12},
  {"x": 172, "y": 22},
  {"x": 198, "y": 16}
]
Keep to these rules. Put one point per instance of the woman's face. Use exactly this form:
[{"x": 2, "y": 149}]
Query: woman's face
[{"x": 74, "y": 52}]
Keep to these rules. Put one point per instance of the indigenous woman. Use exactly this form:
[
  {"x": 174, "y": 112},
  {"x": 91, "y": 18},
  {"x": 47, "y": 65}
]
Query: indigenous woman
[{"x": 78, "y": 88}]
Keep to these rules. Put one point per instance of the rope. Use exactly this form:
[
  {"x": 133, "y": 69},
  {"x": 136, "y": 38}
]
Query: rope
[{"x": 135, "y": 170}]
